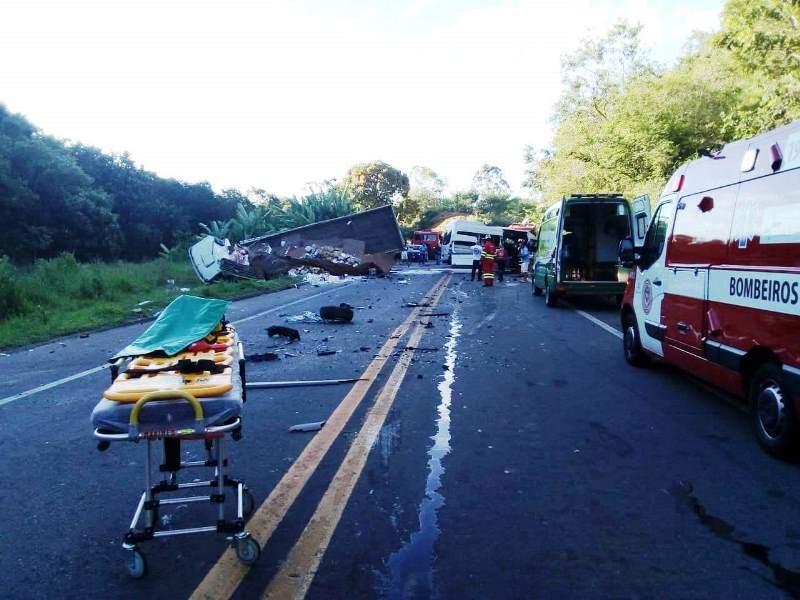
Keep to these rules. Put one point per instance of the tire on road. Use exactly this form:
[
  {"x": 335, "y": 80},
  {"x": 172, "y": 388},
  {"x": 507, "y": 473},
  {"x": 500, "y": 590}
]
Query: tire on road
[
  {"x": 632, "y": 343},
  {"x": 537, "y": 291},
  {"x": 774, "y": 418},
  {"x": 550, "y": 298}
]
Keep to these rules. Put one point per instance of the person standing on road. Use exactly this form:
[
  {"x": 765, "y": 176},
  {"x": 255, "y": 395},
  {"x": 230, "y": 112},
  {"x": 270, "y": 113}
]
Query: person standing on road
[
  {"x": 487, "y": 262},
  {"x": 524, "y": 257},
  {"x": 476, "y": 260},
  {"x": 502, "y": 259},
  {"x": 438, "y": 254},
  {"x": 424, "y": 254}
]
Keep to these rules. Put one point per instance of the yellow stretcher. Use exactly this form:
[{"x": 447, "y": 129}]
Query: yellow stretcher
[{"x": 196, "y": 394}]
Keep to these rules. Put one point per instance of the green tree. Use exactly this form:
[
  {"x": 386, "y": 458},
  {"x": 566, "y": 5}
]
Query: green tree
[
  {"x": 490, "y": 181},
  {"x": 763, "y": 40},
  {"x": 374, "y": 184}
]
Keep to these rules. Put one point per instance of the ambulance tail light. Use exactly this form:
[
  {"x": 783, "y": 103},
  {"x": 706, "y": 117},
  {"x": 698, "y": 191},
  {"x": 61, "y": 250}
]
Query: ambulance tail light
[
  {"x": 679, "y": 184},
  {"x": 777, "y": 157}
]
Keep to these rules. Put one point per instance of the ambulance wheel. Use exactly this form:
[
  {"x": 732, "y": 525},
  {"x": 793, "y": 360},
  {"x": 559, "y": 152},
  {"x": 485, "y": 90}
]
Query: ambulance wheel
[
  {"x": 537, "y": 291},
  {"x": 247, "y": 550},
  {"x": 550, "y": 298},
  {"x": 632, "y": 343},
  {"x": 774, "y": 417},
  {"x": 137, "y": 565}
]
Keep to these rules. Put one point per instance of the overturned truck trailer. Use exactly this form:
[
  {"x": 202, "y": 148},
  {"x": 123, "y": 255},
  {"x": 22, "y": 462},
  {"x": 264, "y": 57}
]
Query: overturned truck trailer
[{"x": 349, "y": 245}]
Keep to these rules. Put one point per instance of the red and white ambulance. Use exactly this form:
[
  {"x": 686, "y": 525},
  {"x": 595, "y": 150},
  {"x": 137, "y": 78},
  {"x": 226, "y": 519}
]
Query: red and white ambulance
[{"x": 715, "y": 290}]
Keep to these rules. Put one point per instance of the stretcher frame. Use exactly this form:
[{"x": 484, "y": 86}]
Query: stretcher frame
[{"x": 247, "y": 548}]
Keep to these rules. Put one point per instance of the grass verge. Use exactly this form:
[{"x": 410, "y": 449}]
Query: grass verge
[{"x": 61, "y": 296}]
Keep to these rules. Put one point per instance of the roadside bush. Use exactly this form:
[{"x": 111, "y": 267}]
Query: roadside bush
[{"x": 12, "y": 301}]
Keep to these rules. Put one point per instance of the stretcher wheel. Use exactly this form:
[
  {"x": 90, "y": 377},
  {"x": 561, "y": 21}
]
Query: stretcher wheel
[
  {"x": 137, "y": 565},
  {"x": 248, "y": 502},
  {"x": 247, "y": 550}
]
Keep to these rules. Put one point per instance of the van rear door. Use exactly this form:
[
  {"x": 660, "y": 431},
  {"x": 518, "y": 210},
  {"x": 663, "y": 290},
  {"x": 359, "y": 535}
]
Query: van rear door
[{"x": 640, "y": 213}]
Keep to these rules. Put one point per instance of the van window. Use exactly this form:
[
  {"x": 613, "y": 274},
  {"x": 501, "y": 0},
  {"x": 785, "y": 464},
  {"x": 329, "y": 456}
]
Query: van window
[
  {"x": 547, "y": 237},
  {"x": 766, "y": 227},
  {"x": 657, "y": 235},
  {"x": 446, "y": 238},
  {"x": 701, "y": 237}
]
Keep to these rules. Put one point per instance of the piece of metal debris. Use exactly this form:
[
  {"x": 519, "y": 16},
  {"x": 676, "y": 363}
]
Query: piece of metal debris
[{"x": 316, "y": 426}]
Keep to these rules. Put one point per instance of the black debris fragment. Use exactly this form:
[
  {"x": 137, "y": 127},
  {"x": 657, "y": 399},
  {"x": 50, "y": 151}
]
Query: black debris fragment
[
  {"x": 287, "y": 332},
  {"x": 325, "y": 352},
  {"x": 337, "y": 314},
  {"x": 263, "y": 357}
]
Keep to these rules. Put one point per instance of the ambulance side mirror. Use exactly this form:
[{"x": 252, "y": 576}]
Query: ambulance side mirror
[{"x": 627, "y": 254}]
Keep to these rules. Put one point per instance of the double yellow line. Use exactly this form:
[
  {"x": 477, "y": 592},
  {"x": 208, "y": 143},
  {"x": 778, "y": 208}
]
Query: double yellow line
[{"x": 299, "y": 569}]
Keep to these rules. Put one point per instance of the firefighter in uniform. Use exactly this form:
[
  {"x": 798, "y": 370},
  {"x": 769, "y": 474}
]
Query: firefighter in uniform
[{"x": 487, "y": 262}]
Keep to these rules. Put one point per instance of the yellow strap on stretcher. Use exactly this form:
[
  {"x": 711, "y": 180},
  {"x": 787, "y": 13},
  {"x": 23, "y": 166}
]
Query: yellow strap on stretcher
[{"x": 199, "y": 385}]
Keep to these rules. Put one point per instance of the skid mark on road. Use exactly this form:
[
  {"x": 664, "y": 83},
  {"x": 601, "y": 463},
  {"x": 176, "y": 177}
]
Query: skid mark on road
[
  {"x": 785, "y": 579},
  {"x": 411, "y": 567}
]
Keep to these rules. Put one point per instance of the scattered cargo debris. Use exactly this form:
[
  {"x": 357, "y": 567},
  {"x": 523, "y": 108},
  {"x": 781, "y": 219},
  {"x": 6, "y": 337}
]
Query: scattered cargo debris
[
  {"x": 358, "y": 244},
  {"x": 305, "y": 317}
]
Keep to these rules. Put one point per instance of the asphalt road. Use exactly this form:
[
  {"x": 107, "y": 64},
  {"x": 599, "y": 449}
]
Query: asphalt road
[{"x": 516, "y": 455}]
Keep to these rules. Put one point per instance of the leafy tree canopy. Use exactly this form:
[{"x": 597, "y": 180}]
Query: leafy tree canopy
[{"x": 374, "y": 184}]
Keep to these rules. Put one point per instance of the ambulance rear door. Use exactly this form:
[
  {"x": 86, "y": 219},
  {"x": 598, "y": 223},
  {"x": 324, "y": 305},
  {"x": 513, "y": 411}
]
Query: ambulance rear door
[
  {"x": 640, "y": 219},
  {"x": 651, "y": 267}
]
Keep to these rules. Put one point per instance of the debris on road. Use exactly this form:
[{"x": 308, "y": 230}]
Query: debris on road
[
  {"x": 302, "y": 427},
  {"x": 83, "y": 336},
  {"x": 287, "y": 332},
  {"x": 439, "y": 314},
  {"x": 337, "y": 314},
  {"x": 263, "y": 357},
  {"x": 326, "y": 352},
  {"x": 306, "y": 317}
]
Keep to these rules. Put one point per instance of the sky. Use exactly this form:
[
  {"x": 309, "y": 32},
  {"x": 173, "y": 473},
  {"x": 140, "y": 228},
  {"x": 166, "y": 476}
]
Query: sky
[{"x": 278, "y": 95}]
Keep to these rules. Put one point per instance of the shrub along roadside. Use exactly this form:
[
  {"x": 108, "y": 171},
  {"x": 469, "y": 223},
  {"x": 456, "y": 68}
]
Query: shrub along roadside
[{"x": 61, "y": 296}]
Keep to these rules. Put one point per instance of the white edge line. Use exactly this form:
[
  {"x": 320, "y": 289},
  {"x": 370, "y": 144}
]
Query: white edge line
[
  {"x": 52, "y": 384},
  {"x": 600, "y": 323}
]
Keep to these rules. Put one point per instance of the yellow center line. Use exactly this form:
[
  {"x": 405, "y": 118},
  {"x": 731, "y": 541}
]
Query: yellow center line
[
  {"x": 225, "y": 576},
  {"x": 297, "y": 573}
]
